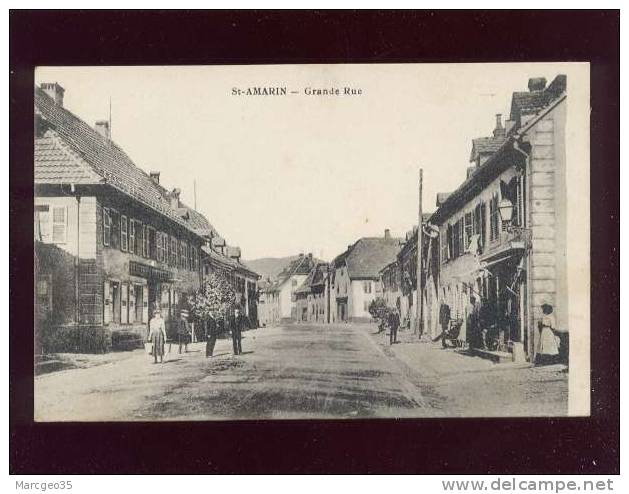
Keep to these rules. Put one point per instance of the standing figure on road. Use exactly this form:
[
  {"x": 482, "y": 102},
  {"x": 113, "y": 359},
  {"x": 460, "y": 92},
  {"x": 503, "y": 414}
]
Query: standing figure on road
[
  {"x": 548, "y": 352},
  {"x": 183, "y": 331},
  {"x": 237, "y": 324},
  {"x": 444, "y": 322},
  {"x": 157, "y": 335},
  {"x": 472, "y": 324},
  {"x": 394, "y": 324},
  {"x": 212, "y": 334}
]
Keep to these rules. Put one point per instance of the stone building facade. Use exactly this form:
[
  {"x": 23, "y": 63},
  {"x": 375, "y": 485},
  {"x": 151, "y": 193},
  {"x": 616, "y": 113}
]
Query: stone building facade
[{"x": 502, "y": 233}]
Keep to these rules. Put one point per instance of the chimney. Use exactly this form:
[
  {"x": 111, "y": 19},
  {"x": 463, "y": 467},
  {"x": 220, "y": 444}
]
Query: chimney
[
  {"x": 387, "y": 234},
  {"x": 499, "y": 131},
  {"x": 54, "y": 90},
  {"x": 102, "y": 127},
  {"x": 174, "y": 198},
  {"x": 154, "y": 177},
  {"x": 537, "y": 84}
]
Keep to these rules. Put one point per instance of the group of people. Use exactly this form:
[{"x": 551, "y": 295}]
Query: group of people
[
  {"x": 157, "y": 334},
  {"x": 477, "y": 319}
]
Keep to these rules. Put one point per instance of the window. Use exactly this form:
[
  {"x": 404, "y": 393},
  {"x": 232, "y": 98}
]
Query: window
[
  {"x": 59, "y": 224},
  {"x": 461, "y": 233},
  {"x": 139, "y": 238},
  {"x": 444, "y": 245},
  {"x": 469, "y": 228},
  {"x": 123, "y": 233},
  {"x": 366, "y": 305},
  {"x": 165, "y": 242},
  {"x": 115, "y": 228},
  {"x": 494, "y": 227},
  {"x": 152, "y": 248},
  {"x": 183, "y": 256},
  {"x": 174, "y": 252},
  {"x": 450, "y": 242},
  {"x": 160, "y": 246},
  {"x": 483, "y": 225},
  {"x": 194, "y": 265},
  {"x": 367, "y": 286},
  {"x": 132, "y": 236},
  {"x": 145, "y": 240}
]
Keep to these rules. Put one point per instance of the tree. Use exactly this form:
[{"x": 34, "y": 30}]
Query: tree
[
  {"x": 379, "y": 311},
  {"x": 216, "y": 299}
]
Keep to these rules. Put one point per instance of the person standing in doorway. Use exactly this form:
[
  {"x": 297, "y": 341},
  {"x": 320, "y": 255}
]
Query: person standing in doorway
[
  {"x": 394, "y": 324},
  {"x": 157, "y": 335},
  {"x": 237, "y": 324},
  {"x": 183, "y": 331}
]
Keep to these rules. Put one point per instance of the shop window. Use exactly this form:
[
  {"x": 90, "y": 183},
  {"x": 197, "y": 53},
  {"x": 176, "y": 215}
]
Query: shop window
[
  {"x": 124, "y": 304},
  {"x": 123, "y": 233},
  {"x": 115, "y": 301}
]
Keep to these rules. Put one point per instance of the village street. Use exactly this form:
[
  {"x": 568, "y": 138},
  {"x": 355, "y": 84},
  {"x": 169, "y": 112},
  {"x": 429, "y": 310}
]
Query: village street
[{"x": 300, "y": 371}]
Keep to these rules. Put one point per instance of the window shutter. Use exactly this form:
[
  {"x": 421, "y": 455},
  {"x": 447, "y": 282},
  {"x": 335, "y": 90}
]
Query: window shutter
[
  {"x": 123, "y": 233},
  {"x": 145, "y": 304},
  {"x": 124, "y": 303},
  {"x": 132, "y": 236},
  {"x": 59, "y": 224},
  {"x": 107, "y": 303},
  {"x": 115, "y": 228},
  {"x": 106, "y": 227}
]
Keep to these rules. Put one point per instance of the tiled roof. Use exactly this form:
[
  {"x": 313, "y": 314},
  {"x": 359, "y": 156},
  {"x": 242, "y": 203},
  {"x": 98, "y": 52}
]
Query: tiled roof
[
  {"x": 105, "y": 158},
  {"x": 485, "y": 145},
  {"x": 314, "y": 278},
  {"x": 55, "y": 162},
  {"x": 227, "y": 261},
  {"x": 369, "y": 255}
]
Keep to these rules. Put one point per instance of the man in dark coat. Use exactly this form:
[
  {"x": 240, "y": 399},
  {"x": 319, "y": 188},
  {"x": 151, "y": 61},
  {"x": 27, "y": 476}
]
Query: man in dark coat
[
  {"x": 212, "y": 333},
  {"x": 444, "y": 322},
  {"x": 183, "y": 331},
  {"x": 393, "y": 323},
  {"x": 237, "y": 325}
]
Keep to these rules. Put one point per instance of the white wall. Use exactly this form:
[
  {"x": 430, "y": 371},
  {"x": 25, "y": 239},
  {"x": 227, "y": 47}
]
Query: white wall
[{"x": 87, "y": 225}]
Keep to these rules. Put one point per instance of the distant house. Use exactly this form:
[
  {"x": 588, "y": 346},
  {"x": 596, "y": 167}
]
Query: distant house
[
  {"x": 357, "y": 276},
  {"x": 279, "y": 296},
  {"x": 311, "y": 302}
]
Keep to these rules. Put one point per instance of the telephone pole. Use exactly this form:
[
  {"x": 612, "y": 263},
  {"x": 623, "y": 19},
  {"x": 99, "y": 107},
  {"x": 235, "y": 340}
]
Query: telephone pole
[{"x": 420, "y": 297}]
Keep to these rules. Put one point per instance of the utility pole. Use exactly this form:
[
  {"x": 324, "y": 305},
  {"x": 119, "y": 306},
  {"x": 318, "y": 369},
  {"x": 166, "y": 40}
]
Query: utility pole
[{"x": 420, "y": 297}]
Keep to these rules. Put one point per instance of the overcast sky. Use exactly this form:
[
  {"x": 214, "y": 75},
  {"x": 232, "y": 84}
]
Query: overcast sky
[{"x": 282, "y": 175}]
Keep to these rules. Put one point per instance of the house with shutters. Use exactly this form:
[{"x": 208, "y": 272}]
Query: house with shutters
[
  {"x": 111, "y": 243},
  {"x": 357, "y": 279},
  {"x": 502, "y": 232},
  {"x": 311, "y": 303}
]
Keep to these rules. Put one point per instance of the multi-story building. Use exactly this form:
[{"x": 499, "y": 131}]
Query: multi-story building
[
  {"x": 111, "y": 243},
  {"x": 357, "y": 276},
  {"x": 502, "y": 232}
]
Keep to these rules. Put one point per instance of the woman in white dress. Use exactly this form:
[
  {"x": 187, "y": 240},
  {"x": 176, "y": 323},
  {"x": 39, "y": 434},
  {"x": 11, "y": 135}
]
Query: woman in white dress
[
  {"x": 548, "y": 351},
  {"x": 157, "y": 335}
]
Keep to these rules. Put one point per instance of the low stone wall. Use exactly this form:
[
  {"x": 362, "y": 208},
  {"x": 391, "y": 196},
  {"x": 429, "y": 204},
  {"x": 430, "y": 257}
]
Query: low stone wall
[{"x": 73, "y": 339}]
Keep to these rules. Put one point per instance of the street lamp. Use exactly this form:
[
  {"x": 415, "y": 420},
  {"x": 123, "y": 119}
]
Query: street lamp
[{"x": 505, "y": 209}]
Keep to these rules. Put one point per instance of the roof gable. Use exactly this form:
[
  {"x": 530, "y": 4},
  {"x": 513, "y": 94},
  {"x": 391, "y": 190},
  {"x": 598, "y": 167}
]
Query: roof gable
[{"x": 369, "y": 255}]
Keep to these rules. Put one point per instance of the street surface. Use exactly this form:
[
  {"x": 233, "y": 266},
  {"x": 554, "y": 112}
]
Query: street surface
[{"x": 298, "y": 371}]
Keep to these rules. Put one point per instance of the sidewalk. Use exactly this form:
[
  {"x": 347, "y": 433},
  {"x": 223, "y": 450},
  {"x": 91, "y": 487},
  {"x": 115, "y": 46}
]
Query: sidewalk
[{"x": 464, "y": 385}]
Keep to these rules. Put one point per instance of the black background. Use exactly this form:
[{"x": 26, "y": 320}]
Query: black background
[{"x": 540, "y": 445}]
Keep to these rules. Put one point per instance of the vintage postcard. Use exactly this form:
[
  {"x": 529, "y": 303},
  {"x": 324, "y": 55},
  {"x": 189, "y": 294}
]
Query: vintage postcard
[{"x": 311, "y": 241}]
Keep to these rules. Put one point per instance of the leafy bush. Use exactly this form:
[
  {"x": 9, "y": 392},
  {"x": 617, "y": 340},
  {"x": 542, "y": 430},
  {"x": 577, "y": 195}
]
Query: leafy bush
[{"x": 378, "y": 309}]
